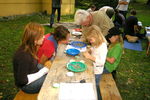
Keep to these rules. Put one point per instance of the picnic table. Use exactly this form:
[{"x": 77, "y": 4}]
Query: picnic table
[
  {"x": 58, "y": 74},
  {"x": 86, "y": 90}
]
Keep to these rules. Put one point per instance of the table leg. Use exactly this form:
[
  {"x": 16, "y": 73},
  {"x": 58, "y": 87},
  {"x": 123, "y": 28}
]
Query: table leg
[{"x": 147, "y": 51}]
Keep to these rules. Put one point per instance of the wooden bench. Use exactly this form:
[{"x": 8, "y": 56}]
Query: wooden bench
[
  {"x": 24, "y": 96},
  {"x": 108, "y": 88}
]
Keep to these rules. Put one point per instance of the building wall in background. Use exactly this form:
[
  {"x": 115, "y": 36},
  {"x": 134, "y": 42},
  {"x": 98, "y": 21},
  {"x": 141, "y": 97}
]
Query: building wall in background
[
  {"x": 47, "y": 6},
  {"x": 19, "y": 7},
  {"x": 68, "y": 7}
]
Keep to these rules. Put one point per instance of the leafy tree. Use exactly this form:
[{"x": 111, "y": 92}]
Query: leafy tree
[
  {"x": 99, "y": 3},
  {"x": 134, "y": 1}
]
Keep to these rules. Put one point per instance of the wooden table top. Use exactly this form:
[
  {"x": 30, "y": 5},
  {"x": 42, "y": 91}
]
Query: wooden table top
[{"x": 57, "y": 74}]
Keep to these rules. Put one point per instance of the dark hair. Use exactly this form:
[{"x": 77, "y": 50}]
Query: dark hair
[
  {"x": 110, "y": 12},
  {"x": 133, "y": 12},
  {"x": 60, "y": 33},
  {"x": 93, "y": 6},
  {"x": 116, "y": 11},
  {"x": 112, "y": 32}
]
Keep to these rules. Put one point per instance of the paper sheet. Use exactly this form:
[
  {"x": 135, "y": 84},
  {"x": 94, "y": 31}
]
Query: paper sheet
[{"x": 76, "y": 91}]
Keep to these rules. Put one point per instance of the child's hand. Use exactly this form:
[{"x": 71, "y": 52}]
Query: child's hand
[
  {"x": 86, "y": 55},
  {"x": 89, "y": 48},
  {"x": 48, "y": 64}
]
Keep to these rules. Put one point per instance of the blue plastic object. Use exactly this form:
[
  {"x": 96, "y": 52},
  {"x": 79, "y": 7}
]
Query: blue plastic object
[
  {"x": 78, "y": 44},
  {"x": 133, "y": 46},
  {"x": 72, "y": 52}
]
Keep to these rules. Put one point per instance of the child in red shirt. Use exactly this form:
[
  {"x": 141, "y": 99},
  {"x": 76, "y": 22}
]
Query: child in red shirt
[{"x": 48, "y": 49}]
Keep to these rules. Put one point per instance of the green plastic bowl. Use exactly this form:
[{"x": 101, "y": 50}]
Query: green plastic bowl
[{"x": 76, "y": 66}]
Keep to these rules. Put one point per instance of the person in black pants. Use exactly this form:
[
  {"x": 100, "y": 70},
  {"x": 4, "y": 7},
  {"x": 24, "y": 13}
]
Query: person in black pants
[
  {"x": 123, "y": 7},
  {"x": 119, "y": 20},
  {"x": 132, "y": 29},
  {"x": 56, "y": 5},
  {"x": 29, "y": 75}
]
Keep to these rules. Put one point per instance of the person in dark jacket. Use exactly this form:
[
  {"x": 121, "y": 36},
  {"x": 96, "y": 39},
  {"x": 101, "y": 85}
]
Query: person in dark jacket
[
  {"x": 132, "y": 29},
  {"x": 56, "y": 5},
  {"x": 119, "y": 20},
  {"x": 29, "y": 75}
]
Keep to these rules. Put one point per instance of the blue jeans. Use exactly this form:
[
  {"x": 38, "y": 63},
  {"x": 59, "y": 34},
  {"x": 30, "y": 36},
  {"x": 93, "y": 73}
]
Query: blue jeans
[
  {"x": 113, "y": 73},
  {"x": 97, "y": 79},
  {"x": 105, "y": 71},
  {"x": 35, "y": 86}
]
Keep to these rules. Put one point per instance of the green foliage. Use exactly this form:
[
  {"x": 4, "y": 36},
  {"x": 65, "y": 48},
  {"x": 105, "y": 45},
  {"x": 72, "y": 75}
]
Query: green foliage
[
  {"x": 133, "y": 75},
  {"x": 85, "y": 4},
  {"x": 101, "y": 3},
  {"x": 133, "y": 71}
]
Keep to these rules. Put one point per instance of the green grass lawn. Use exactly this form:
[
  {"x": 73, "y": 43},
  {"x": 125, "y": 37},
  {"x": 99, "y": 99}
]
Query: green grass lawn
[
  {"x": 134, "y": 70},
  {"x": 133, "y": 75}
]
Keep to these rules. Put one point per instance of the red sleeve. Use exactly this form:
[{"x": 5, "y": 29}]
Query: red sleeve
[
  {"x": 47, "y": 35},
  {"x": 47, "y": 49}
]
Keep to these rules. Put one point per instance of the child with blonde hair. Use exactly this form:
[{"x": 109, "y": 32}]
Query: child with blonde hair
[{"x": 97, "y": 53}]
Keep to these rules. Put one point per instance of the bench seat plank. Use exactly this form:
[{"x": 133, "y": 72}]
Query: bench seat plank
[
  {"x": 109, "y": 90},
  {"x": 24, "y": 96}
]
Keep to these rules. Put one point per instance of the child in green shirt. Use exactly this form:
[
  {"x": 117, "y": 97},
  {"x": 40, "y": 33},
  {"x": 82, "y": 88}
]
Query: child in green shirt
[{"x": 115, "y": 50}]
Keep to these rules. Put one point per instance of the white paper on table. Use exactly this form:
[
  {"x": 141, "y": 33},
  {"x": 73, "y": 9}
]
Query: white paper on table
[
  {"x": 76, "y": 91},
  {"x": 80, "y": 49}
]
